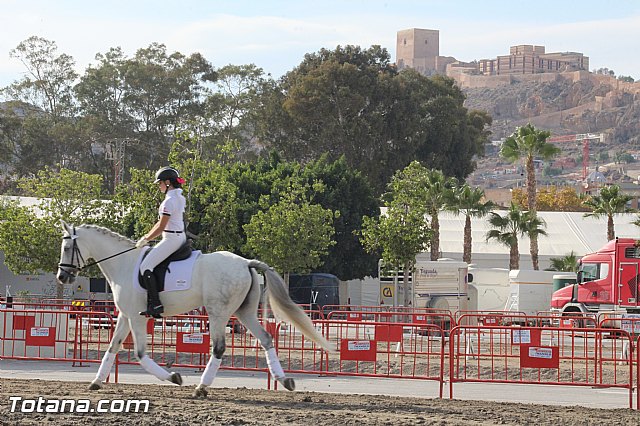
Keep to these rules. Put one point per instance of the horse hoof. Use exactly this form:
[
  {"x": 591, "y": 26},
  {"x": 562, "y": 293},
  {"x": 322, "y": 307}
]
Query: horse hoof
[
  {"x": 176, "y": 378},
  {"x": 289, "y": 383},
  {"x": 200, "y": 392},
  {"x": 95, "y": 386}
]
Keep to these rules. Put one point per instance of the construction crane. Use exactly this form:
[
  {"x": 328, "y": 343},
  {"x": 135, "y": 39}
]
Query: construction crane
[{"x": 585, "y": 138}]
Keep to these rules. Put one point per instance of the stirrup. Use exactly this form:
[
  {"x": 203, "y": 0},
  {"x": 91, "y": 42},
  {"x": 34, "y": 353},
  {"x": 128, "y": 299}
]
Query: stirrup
[{"x": 154, "y": 311}]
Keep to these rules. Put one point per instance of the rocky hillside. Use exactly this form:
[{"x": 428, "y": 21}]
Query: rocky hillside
[{"x": 576, "y": 102}]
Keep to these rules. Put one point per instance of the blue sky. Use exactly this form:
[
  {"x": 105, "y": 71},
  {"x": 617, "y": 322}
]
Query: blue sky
[{"x": 275, "y": 35}]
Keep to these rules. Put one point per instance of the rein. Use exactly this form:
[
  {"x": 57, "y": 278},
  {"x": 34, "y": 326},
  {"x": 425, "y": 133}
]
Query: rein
[
  {"x": 106, "y": 258},
  {"x": 76, "y": 253}
]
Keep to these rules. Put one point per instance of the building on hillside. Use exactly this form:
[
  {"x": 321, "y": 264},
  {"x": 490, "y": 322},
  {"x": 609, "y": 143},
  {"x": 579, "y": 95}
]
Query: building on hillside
[
  {"x": 419, "y": 49},
  {"x": 529, "y": 59}
]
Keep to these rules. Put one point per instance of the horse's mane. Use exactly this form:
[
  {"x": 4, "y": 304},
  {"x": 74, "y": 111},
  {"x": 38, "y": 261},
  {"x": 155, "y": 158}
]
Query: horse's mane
[{"x": 107, "y": 231}]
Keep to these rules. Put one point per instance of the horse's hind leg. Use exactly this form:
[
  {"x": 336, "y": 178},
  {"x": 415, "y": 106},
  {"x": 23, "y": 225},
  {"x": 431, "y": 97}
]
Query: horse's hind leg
[
  {"x": 217, "y": 329},
  {"x": 250, "y": 320},
  {"x": 119, "y": 334},
  {"x": 139, "y": 331}
]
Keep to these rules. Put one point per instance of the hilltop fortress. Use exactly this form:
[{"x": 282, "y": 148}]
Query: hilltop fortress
[
  {"x": 554, "y": 91},
  {"x": 420, "y": 49}
]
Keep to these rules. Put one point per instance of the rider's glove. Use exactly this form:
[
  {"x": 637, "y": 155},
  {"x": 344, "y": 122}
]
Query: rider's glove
[{"x": 142, "y": 242}]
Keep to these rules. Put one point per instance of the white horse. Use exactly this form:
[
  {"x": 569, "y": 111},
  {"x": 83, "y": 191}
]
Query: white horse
[{"x": 224, "y": 283}]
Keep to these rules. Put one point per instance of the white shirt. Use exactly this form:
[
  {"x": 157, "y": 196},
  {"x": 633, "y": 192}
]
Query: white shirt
[{"x": 173, "y": 206}]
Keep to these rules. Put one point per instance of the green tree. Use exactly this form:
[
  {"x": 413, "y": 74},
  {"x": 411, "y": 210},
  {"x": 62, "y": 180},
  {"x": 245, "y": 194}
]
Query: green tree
[
  {"x": 637, "y": 221},
  {"x": 514, "y": 224},
  {"x": 568, "y": 263},
  {"x": 42, "y": 111},
  {"x": 134, "y": 207},
  {"x": 105, "y": 120},
  {"x": 448, "y": 137},
  {"x": 608, "y": 203},
  {"x": 352, "y": 102},
  {"x": 429, "y": 187},
  {"x": 527, "y": 143},
  {"x": 551, "y": 199},
  {"x": 439, "y": 189},
  {"x": 148, "y": 100},
  {"x": 30, "y": 236},
  {"x": 12, "y": 138},
  {"x": 230, "y": 108},
  {"x": 291, "y": 235},
  {"x": 403, "y": 232},
  {"x": 470, "y": 202},
  {"x": 343, "y": 189},
  {"x": 49, "y": 79},
  {"x": 349, "y": 193},
  {"x": 215, "y": 211}
]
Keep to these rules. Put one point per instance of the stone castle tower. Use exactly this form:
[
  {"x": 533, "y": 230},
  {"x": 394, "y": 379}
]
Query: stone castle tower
[{"x": 418, "y": 49}]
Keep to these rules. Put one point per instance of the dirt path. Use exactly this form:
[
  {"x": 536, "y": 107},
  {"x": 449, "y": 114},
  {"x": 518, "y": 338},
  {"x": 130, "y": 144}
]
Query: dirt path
[{"x": 171, "y": 405}]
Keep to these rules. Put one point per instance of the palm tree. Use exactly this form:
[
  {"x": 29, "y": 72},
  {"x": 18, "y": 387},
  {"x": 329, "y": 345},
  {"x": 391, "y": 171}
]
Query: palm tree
[
  {"x": 432, "y": 188},
  {"x": 568, "y": 263},
  {"x": 439, "y": 189},
  {"x": 514, "y": 224},
  {"x": 527, "y": 142},
  {"x": 470, "y": 202},
  {"x": 609, "y": 202}
]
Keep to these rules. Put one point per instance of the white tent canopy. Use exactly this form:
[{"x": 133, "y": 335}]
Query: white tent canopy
[{"x": 567, "y": 231}]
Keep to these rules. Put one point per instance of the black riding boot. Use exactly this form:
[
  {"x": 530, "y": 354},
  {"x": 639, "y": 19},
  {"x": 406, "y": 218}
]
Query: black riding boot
[{"x": 154, "y": 307}]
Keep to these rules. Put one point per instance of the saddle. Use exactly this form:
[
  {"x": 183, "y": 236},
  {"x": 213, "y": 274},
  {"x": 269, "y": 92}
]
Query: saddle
[{"x": 160, "y": 271}]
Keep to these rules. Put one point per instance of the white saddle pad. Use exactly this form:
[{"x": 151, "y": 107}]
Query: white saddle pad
[{"x": 178, "y": 276}]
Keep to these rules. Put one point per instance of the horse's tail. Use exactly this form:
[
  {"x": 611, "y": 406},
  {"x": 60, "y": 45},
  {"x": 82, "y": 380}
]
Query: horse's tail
[{"x": 286, "y": 308}]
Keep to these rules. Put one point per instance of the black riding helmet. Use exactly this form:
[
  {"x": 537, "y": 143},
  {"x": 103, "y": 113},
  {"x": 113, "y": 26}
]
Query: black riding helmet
[{"x": 166, "y": 173}]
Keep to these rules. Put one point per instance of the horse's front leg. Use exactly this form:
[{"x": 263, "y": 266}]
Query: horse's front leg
[
  {"x": 120, "y": 333},
  {"x": 139, "y": 331}
]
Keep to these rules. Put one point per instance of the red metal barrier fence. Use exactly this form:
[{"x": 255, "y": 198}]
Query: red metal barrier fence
[
  {"x": 637, "y": 351},
  {"x": 54, "y": 335},
  {"x": 382, "y": 349},
  {"x": 539, "y": 355},
  {"x": 493, "y": 347}
]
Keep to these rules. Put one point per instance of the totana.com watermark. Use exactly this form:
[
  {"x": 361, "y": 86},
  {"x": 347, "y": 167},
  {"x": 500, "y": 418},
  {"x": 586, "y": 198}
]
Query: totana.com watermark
[{"x": 42, "y": 405}]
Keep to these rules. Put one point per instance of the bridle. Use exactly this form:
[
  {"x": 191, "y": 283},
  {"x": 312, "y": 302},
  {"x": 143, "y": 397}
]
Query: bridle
[{"x": 76, "y": 256}]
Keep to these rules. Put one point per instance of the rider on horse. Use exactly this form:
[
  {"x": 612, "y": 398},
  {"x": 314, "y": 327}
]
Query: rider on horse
[{"x": 170, "y": 225}]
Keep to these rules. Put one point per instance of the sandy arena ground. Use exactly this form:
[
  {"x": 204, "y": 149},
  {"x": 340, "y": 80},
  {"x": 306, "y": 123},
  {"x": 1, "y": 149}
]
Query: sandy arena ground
[{"x": 170, "y": 405}]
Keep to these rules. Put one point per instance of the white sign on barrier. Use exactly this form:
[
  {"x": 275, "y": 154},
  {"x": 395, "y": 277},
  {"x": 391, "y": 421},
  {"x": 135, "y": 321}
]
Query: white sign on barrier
[
  {"x": 631, "y": 324},
  {"x": 39, "y": 332},
  {"x": 545, "y": 353},
  {"x": 521, "y": 337},
  {"x": 363, "y": 345},
  {"x": 193, "y": 338}
]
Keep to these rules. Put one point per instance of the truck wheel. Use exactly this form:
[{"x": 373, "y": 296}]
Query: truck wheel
[{"x": 579, "y": 323}]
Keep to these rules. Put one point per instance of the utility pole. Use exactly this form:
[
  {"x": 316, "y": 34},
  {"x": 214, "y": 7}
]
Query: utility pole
[{"x": 115, "y": 152}]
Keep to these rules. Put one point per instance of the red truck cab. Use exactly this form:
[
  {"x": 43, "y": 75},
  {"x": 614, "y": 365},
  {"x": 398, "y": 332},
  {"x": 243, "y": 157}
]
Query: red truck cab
[{"x": 607, "y": 280}]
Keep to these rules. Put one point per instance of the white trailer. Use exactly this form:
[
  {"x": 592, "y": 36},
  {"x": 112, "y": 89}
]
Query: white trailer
[
  {"x": 489, "y": 288},
  {"x": 440, "y": 284},
  {"x": 530, "y": 291}
]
